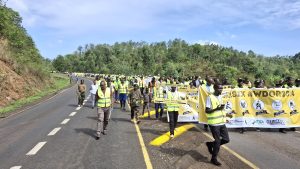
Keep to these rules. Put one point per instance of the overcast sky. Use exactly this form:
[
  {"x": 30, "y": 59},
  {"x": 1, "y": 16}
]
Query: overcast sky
[{"x": 267, "y": 27}]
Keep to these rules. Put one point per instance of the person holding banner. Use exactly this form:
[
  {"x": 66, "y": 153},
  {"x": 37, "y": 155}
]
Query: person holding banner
[
  {"x": 216, "y": 119},
  {"x": 173, "y": 108},
  {"x": 208, "y": 87}
]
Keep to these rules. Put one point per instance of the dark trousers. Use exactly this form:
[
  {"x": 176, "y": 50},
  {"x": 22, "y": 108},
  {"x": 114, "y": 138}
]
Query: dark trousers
[
  {"x": 81, "y": 98},
  {"x": 142, "y": 90},
  {"x": 135, "y": 110},
  {"x": 161, "y": 107},
  {"x": 221, "y": 137},
  {"x": 173, "y": 116}
]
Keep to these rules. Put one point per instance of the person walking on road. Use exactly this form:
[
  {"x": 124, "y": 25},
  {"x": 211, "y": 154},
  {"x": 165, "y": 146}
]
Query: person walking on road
[
  {"x": 81, "y": 93},
  {"x": 146, "y": 102},
  {"x": 135, "y": 99},
  {"x": 123, "y": 89},
  {"x": 216, "y": 119},
  {"x": 158, "y": 103},
  {"x": 93, "y": 91},
  {"x": 173, "y": 108},
  {"x": 104, "y": 100}
]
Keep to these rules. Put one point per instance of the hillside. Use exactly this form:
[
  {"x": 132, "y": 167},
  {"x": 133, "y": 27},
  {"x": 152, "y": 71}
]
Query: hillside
[{"x": 23, "y": 71}]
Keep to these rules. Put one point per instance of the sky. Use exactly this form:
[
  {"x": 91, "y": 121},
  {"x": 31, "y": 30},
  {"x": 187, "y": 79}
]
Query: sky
[{"x": 58, "y": 27}]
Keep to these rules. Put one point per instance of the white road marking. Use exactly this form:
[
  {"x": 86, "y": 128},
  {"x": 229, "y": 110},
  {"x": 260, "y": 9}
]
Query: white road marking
[
  {"x": 65, "y": 121},
  {"x": 73, "y": 113},
  {"x": 54, "y": 131},
  {"x": 36, "y": 148},
  {"x": 297, "y": 132},
  {"x": 16, "y": 167},
  {"x": 78, "y": 108}
]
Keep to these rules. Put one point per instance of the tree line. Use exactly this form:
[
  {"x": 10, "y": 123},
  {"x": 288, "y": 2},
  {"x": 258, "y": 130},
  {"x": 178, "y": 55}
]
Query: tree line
[{"x": 177, "y": 58}]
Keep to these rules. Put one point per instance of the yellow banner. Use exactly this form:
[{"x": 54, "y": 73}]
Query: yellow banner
[{"x": 264, "y": 108}]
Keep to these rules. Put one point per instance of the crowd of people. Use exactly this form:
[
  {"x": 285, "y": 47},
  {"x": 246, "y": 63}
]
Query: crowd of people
[{"x": 139, "y": 92}]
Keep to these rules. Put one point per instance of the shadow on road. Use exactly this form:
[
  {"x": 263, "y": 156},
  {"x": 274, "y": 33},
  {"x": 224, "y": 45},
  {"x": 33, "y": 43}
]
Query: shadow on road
[
  {"x": 179, "y": 152},
  {"x": 92, "y": 117},
  {"x": 73, "y": 105},
  {"x": 87, "y": 131},
  {"x": 121, "y": 119}
]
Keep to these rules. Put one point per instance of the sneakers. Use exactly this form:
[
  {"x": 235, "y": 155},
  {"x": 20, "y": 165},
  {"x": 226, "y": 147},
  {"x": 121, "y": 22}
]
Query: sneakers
[
  {"x": 172, "y": 136},
  {"x": 209, "y": 147},
  {"x": 215, "y": 162},
  {"x": 104, "y": 132},
  {"x": 97, "y": 138},
  {"x": 281, "y": 130}
]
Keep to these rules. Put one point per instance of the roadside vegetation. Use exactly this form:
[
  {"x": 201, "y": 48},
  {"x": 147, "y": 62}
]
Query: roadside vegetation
[{"x": 59, "y": 82}]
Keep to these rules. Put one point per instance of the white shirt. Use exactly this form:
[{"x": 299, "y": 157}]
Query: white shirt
[
  {"x": 93, "y": 89},
  {"x": 208, "y": 101}
]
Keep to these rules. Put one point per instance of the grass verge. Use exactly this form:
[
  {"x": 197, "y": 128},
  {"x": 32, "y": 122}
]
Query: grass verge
[{"x": 59, "y": 82}]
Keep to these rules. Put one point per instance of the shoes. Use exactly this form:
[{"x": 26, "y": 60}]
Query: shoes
[
  {"x": 215, "y": 162},
  {"x": 104, "y": 132},
  {"x": 282, "y": 131},
  {"x": 172, "y": 136},
  {"x": 209, "y": 147},
  {"x": 97, "y": 138},
  {"x": 93, "y": 107},
  {"x": 138, "y": 122}
]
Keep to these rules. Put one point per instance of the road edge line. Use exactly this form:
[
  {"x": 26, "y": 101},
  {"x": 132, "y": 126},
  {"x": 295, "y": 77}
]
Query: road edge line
[
  {"x": 144, "y": 148},
  {"x": 250, "y": 164}
]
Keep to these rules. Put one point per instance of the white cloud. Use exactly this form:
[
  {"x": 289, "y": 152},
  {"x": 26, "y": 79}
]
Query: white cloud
[
  {"x": 206, "y": 42},
  {"x": 75, "y": 16}
]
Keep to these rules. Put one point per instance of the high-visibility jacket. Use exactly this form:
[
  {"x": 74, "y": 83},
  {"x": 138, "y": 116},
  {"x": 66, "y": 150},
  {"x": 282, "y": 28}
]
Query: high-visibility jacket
[
  {"x": 116, "y": 85},
  {"x": 159, "y": 95},
  {"x": 141, "y": 83},
  {"x": 172, "y": 105},
  {"x": 218, "y": 116},
  {"x": 104, "y": 98},
  {"x": 122, "y": 88},
  {"x": 168, "y": 82}
]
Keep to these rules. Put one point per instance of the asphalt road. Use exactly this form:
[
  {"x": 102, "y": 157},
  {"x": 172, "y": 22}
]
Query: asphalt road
[
  {"x": 74, "y": 145},
  {"x": 25, "y": 142}
]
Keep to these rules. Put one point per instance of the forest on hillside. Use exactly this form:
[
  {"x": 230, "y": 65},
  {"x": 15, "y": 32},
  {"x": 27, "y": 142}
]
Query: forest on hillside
[
  {"x": 18, "y": 50},
  {"x": 177, "y": 58}
]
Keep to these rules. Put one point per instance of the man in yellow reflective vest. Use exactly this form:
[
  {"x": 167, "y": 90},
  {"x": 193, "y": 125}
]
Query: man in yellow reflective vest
[
  {"x": 158, "y": 102},
  {"x": 104, "y": 100},
  {"x": 123, "y": 89},
  {"x": 173, "y": 108},
  {"x": 216, "y": 119}
]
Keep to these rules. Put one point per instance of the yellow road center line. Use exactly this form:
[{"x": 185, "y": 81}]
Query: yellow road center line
[
  {"x": 146, "y": 114},
  {"x": 232, "y": 152},
  {"x": 144, "y": 148},
  {"x": 166, "y": 137}
]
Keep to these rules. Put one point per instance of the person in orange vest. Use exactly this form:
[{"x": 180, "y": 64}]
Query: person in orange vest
[{"x": 104, "y": 101}]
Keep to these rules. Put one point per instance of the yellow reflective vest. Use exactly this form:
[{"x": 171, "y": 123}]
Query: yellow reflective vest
[
  {"x": 159, "y": 96},
  {"x": 104, "y": 98},
  {"x": 172, "y": 99},
  {"x": 122, "y": 88},
  {"x": 218, "y": 116}
]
